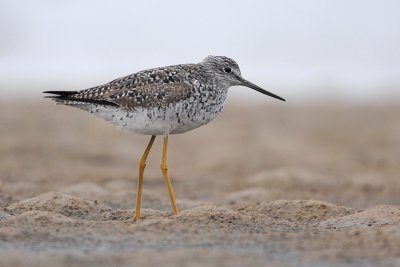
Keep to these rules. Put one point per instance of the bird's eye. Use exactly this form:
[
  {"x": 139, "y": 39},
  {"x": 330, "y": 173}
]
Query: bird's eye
[{"x": 227, "y": 70}]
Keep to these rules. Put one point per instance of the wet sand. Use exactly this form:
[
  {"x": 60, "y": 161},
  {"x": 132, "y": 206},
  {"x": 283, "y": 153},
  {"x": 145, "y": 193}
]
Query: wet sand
[{"x": 274, "y": 185}]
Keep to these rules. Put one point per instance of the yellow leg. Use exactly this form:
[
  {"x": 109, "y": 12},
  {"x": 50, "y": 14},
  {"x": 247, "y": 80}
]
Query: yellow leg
[
  {"x": 142, "y": 165},
  {"x": 164, "y": 170}
]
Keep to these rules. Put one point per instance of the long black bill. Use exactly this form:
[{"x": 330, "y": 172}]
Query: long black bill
[{"x": 258, "y": 89}]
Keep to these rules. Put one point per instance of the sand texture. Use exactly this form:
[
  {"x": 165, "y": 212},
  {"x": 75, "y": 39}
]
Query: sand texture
[{"x": 274, "y": 185}]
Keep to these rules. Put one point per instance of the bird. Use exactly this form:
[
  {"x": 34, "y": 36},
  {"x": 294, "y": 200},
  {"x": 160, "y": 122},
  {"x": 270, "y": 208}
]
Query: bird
[{"x": 161, "y": 101}]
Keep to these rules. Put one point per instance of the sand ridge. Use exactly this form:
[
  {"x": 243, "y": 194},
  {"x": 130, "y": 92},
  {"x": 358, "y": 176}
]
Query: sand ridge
[{"x": 73, "y": 224}]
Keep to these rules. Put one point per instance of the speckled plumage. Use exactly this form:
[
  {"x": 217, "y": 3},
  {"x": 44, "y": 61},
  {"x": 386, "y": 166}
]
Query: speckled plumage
[{"x": 161, "y": 101}]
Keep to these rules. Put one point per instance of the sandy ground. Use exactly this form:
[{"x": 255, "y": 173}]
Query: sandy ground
[{"x": 272, "y": 185}]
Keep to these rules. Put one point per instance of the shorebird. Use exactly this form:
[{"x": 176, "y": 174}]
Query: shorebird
[{"x": 162, "y": 101}]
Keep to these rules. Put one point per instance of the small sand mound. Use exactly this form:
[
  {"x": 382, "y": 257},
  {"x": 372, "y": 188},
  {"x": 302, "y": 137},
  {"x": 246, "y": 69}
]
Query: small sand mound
[
  {"x": 39, "y": 218},
  {"x": 34, "y": 224},
  {"x": 231, "y": 219},
  {"x": 299, "y": 211},
  {"x": 115, "y": 194},
  {"x": 68, "y": 206},
  {"x": 209, "y": 220},
  {"x": 376, "y": 216}
]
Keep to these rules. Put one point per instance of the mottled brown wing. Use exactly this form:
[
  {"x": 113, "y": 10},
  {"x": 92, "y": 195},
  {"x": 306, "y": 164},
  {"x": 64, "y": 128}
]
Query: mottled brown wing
[
  {"x": 149, "y": 88},
  {"x": 150, "y": 95}
]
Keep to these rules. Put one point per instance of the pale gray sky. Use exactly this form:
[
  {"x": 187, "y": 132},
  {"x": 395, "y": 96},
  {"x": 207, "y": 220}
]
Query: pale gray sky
[{"x": 297, "y": 49}]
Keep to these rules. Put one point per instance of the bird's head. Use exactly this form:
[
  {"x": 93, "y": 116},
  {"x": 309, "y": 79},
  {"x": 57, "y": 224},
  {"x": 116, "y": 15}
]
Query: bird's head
[{"x": 228, "y": 73}]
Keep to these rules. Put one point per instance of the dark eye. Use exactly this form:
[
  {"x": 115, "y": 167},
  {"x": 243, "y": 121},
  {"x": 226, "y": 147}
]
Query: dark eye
[{"x": 227, "y": 70}]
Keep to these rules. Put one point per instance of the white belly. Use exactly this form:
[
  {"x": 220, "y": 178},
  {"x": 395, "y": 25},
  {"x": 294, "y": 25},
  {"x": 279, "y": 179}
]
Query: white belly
[{"x": 156, "y": 121}]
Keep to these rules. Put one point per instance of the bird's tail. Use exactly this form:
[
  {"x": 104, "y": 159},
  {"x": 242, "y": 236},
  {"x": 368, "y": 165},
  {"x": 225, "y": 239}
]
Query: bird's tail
[
  {"x": 72, "y": 98},
  {"x": 61, "y": 95}
]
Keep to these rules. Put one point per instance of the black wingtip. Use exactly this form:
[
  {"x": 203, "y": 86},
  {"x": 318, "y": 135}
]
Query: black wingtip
[
  {"x": 68, "y": 96},
  {"x": 61, "y": 93}
]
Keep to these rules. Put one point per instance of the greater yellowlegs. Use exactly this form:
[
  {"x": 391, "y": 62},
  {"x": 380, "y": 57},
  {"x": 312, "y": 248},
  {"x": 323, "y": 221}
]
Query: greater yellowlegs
[{"x": 162, "y": 101}]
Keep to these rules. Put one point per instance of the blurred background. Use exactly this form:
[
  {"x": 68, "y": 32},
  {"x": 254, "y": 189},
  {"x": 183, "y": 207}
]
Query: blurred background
[{"x": 303, "y": 50}]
